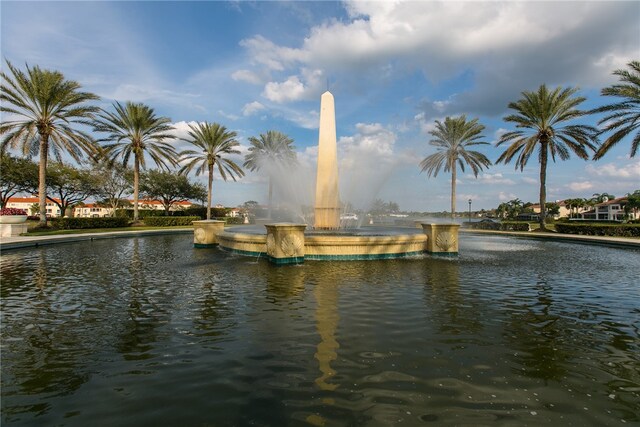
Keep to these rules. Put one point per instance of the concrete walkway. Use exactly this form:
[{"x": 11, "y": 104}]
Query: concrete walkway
[
  {"x": 630, "y": 242},
  {"x": 17, "y": 242}
]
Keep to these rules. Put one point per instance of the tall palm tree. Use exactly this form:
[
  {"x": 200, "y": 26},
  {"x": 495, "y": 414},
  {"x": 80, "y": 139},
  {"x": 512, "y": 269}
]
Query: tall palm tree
[
  {"x": 273, "y": 150},
  {"x": 623, "y": 117},
  {"x": 134, "y": 130},
  {"x": 213, "y": 143},
  {"x": 45, "y": 106},
  {"x": 452, "y": 138},
  {"x": 540, "y": 117}
]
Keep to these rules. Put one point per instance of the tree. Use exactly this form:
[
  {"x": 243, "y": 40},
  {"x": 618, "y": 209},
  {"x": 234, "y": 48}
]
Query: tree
[
  {"x": 633, "y": 203},
  {"x": 273, "y": 151},
  {"x": 552, "y": 208},
  {"x": 452, "y": 138},
  {"x": 169, "y": 188},
  {"x": 134, "y": 130},
  {"x": 18, "y": 175},
  {"x": 113, "y": 181},
  {"x": 47, "y": 106},
  {"x": 602, "y": 197},
  {"x": 623, "y": 117},
  {"x": 540, "y": 118},
  {"x": 214, "y": 143},
  {"x": 69, "y": 185},
  {"x": 515, "y": 207}
]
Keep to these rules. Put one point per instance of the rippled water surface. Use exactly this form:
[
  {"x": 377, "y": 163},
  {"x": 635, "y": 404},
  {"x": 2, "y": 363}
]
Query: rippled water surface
[{"x": 150, "y": 331}]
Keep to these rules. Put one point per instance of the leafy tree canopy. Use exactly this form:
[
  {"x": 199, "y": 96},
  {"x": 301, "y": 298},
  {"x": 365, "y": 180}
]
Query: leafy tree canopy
[{"x": 170, "y": 188}]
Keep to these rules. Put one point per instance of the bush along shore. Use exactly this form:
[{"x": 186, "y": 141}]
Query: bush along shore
[{"x": 586, "y": 228}]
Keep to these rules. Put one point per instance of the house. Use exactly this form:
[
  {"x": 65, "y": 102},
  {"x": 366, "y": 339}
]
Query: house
[
  {"x": 610, "y": 210},
  {"x": 27, "y": 204},
  {"x": 565, "y": 211},
  {"x": 157, "y": 205},
  {"x": 91, "y": 210}
]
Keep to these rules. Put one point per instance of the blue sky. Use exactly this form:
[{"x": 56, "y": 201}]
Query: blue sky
[{"x": 393, "y": 68}]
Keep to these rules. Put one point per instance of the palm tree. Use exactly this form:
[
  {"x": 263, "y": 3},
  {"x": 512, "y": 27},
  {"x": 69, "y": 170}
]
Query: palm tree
[
  {"x": 46, "y": 105},
  {"x": 133, "y": 130},
  {"x": 273, "y": 150},
  {"x": 541, "y": 117},
  {"x": 213, "y": 143},
  {"x": 602, "y": 197},
  {"x": 452, "y": 138},
  {"x": 623, "y": 117}
]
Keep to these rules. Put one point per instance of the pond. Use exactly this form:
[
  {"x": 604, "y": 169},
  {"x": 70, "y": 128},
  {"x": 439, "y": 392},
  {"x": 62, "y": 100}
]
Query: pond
[{"x": 149, "y": 331}]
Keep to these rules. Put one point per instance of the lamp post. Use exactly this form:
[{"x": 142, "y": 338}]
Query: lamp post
[{"x": 469, "y": 211}]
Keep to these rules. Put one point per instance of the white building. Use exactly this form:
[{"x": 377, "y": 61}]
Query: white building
[
  {"x": 28, "y": 204},
  {"x": 611, "y": 210}
]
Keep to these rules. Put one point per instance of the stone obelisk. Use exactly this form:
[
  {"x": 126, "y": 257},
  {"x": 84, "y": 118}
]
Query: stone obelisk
[{"x": 327, "y": 205}]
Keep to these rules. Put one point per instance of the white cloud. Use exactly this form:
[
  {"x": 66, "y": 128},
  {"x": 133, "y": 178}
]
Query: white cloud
[
  {"x": 529, "y": 180},
  {"x": 295, "y": 88},
  {"x": 502, "y": 42},
  {"x": 496, "y": 178},
  {"x": 247, "y": 76},
  {"x": 252, "y": 108},
  {"x": 291, "y": 89},
  {"x": 615, "y": 170},
  {"x": 580, "y": 186},
  {"x": 505, "y": 197}
]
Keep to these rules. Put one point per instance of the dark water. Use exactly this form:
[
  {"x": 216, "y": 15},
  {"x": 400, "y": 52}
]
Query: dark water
[{"x": 149, "y": 332}]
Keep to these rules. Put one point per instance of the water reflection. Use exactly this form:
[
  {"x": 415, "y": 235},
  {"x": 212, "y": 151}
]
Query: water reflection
[
  {"x": 170, "y": 335},
  {"x": 47, "y": 359},
  {"x": 327, "y": 318}
]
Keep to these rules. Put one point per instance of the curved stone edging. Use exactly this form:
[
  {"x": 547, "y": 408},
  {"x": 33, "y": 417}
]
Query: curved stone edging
[
  {"x": 623, "y": 242},
  {"x": 35, "y": 241}
]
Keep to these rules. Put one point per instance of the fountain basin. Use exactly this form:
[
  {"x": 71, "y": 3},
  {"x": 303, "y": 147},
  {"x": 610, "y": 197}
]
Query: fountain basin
[{"x": 367, "y": 243}]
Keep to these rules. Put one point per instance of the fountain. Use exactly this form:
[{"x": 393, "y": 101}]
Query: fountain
[{"x": 292, "y": 243}]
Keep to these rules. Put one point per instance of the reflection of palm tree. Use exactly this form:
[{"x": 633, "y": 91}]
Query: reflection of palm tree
[
  {"x": 214, "y": 143},
  {"x": 273, "y": 150},
  {"x": 540, "y": 335},
  {"x": 138, "y": 335},
  {"x": 452, "y": 138},
  {"x": 133, "y": 130},
  {"x": 540, "y": 121},
  {"x": 443, "y": 277}
]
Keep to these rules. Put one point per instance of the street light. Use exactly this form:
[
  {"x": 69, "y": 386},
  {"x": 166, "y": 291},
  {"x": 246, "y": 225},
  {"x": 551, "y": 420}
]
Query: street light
[{"x": 469, "y": 210}]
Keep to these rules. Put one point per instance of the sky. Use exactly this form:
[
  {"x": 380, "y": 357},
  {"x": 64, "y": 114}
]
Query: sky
[{"x": 394, "y": 68}]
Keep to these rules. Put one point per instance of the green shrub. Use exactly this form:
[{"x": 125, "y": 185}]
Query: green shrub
[
  {"x": 142, "y": 213},
  {"x": 514, "y": 226},
  {"x": 82, "y": 223},
  {"x": 169, "y": 221},
  {"x": 235, "y": 220},
  {"x": 592, "y": 229}
]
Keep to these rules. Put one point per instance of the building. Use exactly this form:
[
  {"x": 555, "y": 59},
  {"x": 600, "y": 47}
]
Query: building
[
  {"x": 564, "y": 212},
  {"x": 91, "y": 210},
  {"x": 29, "y": 205},
  {"x": 610, "y": 210},
  {"x": 157, "y": 205}
]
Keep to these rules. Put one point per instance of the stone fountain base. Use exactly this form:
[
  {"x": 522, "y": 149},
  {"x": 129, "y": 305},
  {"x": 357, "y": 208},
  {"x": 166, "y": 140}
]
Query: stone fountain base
[{"x": 286, "y": 243}]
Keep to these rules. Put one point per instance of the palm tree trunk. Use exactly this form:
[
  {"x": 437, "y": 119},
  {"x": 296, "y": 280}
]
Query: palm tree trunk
[
  {"x": 209, "y": 193},
  {"x": 42, "y": 179},
  {"x": 453, "y": 190},
  {"x": 270, "y": 194},
  {"x": 543, "y": 185},
  {"x": 136, "y": 184}
]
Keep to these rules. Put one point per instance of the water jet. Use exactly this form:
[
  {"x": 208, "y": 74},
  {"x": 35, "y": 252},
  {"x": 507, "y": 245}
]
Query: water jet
[{"x": 292, "y": 243}]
